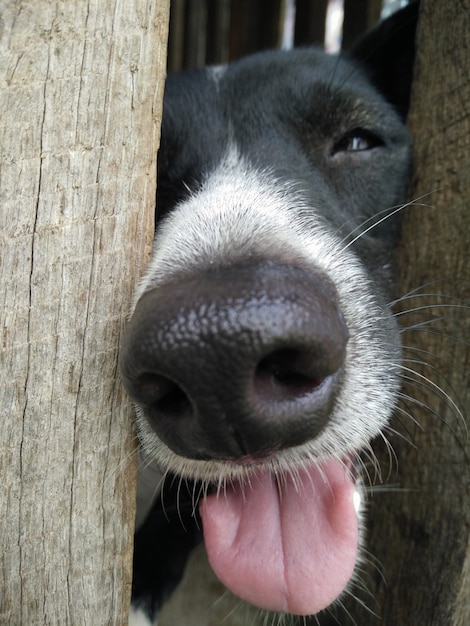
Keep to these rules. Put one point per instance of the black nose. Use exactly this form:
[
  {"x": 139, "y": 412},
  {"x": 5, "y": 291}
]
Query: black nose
[{"x": 237, "y": 361}]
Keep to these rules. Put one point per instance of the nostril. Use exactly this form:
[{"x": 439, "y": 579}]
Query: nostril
[
  {"x": 286, "y": 374},
  {"x": 162, "y": 394},
  {"x": 175, "y": 404}
]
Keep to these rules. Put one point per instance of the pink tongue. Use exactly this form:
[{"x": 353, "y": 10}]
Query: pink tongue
[{"x": 285, "y": 546}]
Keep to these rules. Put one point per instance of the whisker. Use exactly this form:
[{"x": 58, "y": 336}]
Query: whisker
[
  {"x": 418, "y": 291},
  {"x": 404, "y": 424},
  {"x": 427, "y": 353},
  {"x": 436, "y": 333},
  {"x": 162, "y": 493},
  {"x": 369, "y": 454},
  {"x": 431, "y": 307},
  {"x": 426, "y": 383},
  {"x": 390, "y": 213},
  {"x": 357, "y": 600},
  {"x": 450, "y": 403},
  {"x": 392, "y": 457}
]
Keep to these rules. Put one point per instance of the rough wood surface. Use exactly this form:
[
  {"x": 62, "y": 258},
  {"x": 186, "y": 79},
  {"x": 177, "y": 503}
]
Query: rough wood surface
[
  {"x": 420, "y": 533},
  {"x": 80, "y": 92}
]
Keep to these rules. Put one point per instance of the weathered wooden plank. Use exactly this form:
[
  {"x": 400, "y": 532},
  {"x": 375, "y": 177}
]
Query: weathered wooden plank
[{"x": 80, "y": 90}]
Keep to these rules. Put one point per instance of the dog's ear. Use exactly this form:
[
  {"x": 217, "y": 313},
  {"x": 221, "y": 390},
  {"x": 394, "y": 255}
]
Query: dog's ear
[{"x": 387, "y": 53}]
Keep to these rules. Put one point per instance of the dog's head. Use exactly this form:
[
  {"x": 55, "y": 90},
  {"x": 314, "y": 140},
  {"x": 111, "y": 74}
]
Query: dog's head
[{"x": 261, "y": 353}]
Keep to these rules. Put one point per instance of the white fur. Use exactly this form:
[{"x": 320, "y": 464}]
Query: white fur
[
  {"x": 138, "y": 618},
  {"x": 215, "y": 72}
]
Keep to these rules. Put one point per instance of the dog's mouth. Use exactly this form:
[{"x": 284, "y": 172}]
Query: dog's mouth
[{"x": 284, "y": 542}]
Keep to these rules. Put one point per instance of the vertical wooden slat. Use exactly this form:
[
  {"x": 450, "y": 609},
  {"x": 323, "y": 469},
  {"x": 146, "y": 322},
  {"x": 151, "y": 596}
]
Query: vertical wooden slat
[
  {"x": 256, "y": 26},
  {"x": 176, "y": 35},
  {"x": 80, "y": 104},
  {"x": 420, "y": 531},
  {"x": 218, "y": 30},
  {"x": 310, "y": 22},
  {"x": 196, "y": 34},
  {"x": 359, "y": 16}
]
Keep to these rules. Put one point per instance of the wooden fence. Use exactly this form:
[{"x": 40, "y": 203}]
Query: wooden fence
[{"x": 205, "y": 32}]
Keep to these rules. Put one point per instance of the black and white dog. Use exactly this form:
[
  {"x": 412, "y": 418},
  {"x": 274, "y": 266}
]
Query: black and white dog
[{"x": 261, "y": 353}]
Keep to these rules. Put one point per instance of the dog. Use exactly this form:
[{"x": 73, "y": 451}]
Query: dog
[{"x": 261, "y": 354}]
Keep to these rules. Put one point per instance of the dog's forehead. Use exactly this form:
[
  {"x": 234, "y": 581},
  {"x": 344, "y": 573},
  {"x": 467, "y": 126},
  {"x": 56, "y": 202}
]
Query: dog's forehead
[
  {"x": 267, "y": 79},
  {"x": 267, "y": 95},
  {"x": 302, "y": 66}
]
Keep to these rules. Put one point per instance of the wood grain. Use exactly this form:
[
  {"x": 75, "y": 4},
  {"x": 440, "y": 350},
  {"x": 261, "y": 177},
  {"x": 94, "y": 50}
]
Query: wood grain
[
  {"x": 80, "y": 106},
  {"x": 421, "y": 529}
]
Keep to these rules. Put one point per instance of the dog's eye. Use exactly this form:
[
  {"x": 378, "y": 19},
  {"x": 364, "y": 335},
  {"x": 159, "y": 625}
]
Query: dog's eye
[{"x": 357, "y": 140}]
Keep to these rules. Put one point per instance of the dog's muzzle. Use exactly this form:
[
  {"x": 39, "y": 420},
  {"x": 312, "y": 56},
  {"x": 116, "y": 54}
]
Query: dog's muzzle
[{"x": 237, "y": 362}]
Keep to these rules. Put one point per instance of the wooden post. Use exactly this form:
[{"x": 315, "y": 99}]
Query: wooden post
[
  {"x": 421, "y": 530},
  {"x": 80, "y": 106}
]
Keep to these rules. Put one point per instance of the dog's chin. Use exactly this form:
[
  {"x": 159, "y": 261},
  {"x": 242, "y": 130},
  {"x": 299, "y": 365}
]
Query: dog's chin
[{"x": 280, "y": 535}]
